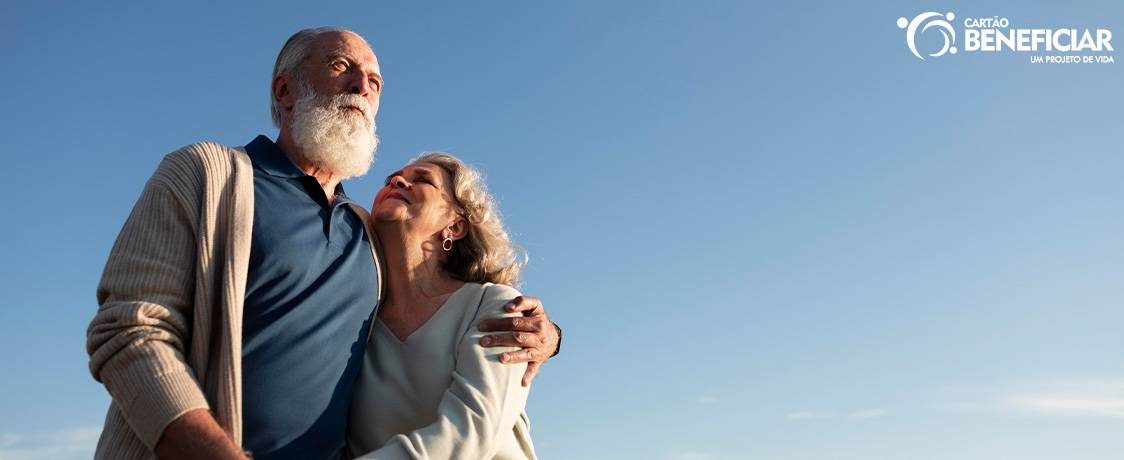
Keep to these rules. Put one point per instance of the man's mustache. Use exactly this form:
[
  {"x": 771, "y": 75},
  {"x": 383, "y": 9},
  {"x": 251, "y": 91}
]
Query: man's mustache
[{"x": 346, "y": 102}]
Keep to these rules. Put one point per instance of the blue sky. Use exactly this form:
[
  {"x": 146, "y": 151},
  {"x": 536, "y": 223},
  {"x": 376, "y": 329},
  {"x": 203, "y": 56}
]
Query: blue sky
[{"x": 769, "y": 231}]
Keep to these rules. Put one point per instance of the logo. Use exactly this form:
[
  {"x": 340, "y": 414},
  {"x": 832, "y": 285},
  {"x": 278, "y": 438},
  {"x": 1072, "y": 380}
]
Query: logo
[
  {"x": 930, "y": 19},
  {"x": 1053, "y": 45}
]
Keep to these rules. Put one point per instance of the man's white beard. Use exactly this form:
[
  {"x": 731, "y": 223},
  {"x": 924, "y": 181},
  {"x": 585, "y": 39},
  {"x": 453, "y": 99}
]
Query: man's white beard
[{"x": 332, "y": 138}]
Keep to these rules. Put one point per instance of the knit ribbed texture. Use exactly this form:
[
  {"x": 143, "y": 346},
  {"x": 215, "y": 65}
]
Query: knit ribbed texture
[{"x": 167, "y": 337}]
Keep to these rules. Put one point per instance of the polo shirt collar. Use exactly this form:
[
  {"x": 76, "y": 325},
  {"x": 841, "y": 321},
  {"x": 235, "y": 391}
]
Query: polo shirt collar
[{"x": 267, "y": 156}]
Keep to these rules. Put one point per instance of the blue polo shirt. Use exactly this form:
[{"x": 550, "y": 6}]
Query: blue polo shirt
[{"x": 310, "y": 295}]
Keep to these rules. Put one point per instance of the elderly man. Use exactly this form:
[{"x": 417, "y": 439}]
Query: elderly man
[{"x": 236, "y": 301}]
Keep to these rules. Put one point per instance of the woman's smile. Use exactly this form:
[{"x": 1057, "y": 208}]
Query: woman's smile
[{"x": 396, "y": 196}]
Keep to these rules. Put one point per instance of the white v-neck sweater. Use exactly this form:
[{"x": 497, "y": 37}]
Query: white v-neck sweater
[{"x": 439, "y": 394}]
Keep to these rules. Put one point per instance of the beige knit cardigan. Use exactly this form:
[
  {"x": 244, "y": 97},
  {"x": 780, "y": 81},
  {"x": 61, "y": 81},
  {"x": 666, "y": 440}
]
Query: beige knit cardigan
[{"x": 167, "y": 338}]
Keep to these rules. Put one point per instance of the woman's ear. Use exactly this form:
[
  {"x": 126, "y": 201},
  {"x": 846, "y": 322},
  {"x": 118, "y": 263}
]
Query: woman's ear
[{"x": 458, "y": 229}]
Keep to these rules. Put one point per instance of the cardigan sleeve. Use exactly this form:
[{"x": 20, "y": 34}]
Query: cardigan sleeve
[
  {"x": 138, "y": 337},
  {"x": 483, "y": 400}
]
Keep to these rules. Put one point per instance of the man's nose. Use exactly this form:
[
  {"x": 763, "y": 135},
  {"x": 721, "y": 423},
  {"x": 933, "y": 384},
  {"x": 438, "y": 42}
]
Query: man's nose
[{"x": 361, "y": 86}]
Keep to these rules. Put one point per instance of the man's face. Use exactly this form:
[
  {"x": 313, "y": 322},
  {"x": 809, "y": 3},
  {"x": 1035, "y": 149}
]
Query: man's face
[
  {"x": 342, "y": 63},
  {"x": 333, "y": 105}
]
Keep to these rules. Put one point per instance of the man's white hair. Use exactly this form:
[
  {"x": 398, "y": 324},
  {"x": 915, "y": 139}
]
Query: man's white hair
[{"x": 292, "y": 57}]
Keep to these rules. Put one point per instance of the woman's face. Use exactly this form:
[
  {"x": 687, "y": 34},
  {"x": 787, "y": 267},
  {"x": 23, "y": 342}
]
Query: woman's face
[{"x": 420, "y": 196}]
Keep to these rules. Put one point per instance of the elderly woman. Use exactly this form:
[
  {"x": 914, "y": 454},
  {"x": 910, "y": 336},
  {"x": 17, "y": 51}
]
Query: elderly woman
[{"x": 427, "y": 388}]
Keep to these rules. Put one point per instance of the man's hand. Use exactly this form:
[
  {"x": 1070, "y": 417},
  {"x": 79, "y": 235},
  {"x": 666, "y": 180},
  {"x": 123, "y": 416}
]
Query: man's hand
[
  {"x": 196, "y": 434},
  {"x": 533, "y": 332}
]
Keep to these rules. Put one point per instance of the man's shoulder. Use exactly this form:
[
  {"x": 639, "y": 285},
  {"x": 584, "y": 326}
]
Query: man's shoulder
[
  {"x": 205, "y": 153},
  {"x": 203, "y": 159}
]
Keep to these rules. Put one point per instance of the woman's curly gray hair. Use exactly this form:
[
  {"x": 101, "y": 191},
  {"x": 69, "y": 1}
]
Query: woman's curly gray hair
[{"x": 486, "y": 253}]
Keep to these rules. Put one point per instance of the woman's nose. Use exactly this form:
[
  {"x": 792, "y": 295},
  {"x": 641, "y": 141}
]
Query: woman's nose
[{"x": 399, "y": 182}]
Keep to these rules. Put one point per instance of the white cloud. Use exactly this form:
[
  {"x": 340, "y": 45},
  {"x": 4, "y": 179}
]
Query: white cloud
[
  {"x": 1074, "y": 398},
  {"x": 808, "y": 415},
  {"x": 56, "y": 445},
  {"x": 1068, "y": 406},
  {"x": 866, "y": 414},
  {"x": 707, "y": 400},
  {"x": 1102, "y": 398}
]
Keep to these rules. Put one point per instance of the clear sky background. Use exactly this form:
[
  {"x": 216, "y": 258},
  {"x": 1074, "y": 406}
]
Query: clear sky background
[{"x": 768, "y": 230}]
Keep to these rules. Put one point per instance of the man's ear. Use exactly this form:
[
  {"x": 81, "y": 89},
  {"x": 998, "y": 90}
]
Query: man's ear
[
  {"x": 458, "y": 230},
  {"x": 284, "y": 93}
]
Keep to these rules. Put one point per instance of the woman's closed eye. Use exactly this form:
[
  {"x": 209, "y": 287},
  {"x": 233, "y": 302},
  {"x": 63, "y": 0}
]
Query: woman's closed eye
[
  {"x": 416, "y": 180},
  {"x": 424, "y": 180}
]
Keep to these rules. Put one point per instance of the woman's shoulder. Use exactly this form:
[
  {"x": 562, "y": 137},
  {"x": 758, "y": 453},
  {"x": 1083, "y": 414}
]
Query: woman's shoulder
[
  {"x": 502, "y": 292},
  {"x": 492, "y": 297}
]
